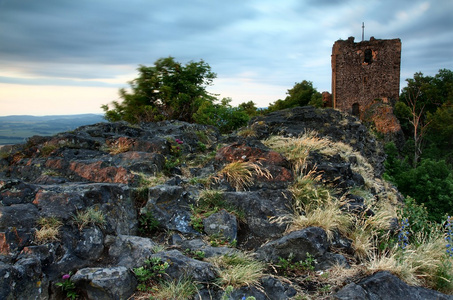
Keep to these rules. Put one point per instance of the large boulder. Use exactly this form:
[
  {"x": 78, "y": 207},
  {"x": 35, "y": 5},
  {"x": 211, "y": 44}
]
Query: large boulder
[
  {"x": 296, "y": 245},
  {"x": 222, "y": 225},
  {"x": 130, "y": 251},
  {"x": 181, "y": 266},
  {"x": 169, "y": 205},
  {"x": 385, "y": 286},
  {"x": 105, "y": 283}
]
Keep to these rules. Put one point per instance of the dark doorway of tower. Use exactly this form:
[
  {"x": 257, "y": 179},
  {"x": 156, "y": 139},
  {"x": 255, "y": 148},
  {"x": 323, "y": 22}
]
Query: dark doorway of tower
[{"x": 356, "y": 110}]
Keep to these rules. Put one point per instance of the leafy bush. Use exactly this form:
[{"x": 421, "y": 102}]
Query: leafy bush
[
  {"x": 223, "y": 116},
  {"x": 147, "y": 223},
  {"x": 431, "y": 184},
  {"x": 151, "y": 272}
]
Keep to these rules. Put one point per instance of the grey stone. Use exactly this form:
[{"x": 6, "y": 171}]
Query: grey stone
[
  {"x": 106, "y": 283},
  {"x": 18, "y": 215},
  {"x": 90, "y": 244},
  {"x": 169, "y": 205},
  {"x": 297, "y": 244},
  {"x": 221, "y": 224},
  {"x": 130, "y": 251},
  {"x": 385, "y": 286},
  {"x": 181, "y": 265}
]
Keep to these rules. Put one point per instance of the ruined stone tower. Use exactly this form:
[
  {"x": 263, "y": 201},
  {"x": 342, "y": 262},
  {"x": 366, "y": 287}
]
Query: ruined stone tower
[{"x": 365, "y": 73}]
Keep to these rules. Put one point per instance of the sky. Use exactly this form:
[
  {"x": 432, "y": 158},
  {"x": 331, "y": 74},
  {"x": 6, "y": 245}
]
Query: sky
[{"x": 72, "y": 56}]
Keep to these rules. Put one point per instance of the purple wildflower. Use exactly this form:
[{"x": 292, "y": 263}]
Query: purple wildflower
[{"x": 66, "y": 276}]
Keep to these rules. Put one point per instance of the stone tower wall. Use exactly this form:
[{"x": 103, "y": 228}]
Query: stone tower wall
[{"x": 364, "y": 73}]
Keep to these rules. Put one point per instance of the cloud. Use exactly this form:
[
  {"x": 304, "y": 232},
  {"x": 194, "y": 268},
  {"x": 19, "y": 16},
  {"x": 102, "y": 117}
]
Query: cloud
[{"x": 260, "y": 44}]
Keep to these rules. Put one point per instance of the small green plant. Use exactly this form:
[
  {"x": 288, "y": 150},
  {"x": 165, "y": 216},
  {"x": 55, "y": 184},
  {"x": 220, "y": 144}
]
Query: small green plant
[
  {"x": 68, "y": 287},
  {"x": 151, "y": 272},
  {"x": 202, "y": 136},
  {"x": 46, "y": 150},
  {"x": 201, "y": 146},
  {"x": 197, "y": 254},
  {"x": 51, "y": 173},
  {"x": 175, "y": 146},
  {"x": 325, "y": 289},
  {"x": 147, "y": 223},
  {"x": 91, "y": 216},
  {"x": 197, "y": 223},
  {"x": 226, "y": 294},
  {"x": 287, "y": 266}
]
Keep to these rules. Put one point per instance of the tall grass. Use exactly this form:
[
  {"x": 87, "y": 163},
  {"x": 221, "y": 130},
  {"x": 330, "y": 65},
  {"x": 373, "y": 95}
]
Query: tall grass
[
  {"x": 297, "y": 149},
  {"x": 314, "y": 205}
]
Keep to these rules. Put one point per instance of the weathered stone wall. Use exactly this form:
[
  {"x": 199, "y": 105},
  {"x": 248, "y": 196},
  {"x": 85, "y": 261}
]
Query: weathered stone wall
[{"x": 363, "y": 72}]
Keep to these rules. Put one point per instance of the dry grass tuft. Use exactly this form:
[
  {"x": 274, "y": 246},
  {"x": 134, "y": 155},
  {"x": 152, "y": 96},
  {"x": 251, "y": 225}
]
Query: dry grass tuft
[
  {"x": 247, "y": 132},
  {"x": 181, "y": 289},
  {"x": 419, "y": 264},
  {"x": 367, "y": 230},
  {"x": 314, "y": 205},
  {"x": 49, "y": 230},
  {"x": 91, "y": 216},
  {"x": 240, "y": 174},
  {"x": 238, "y": 269},
  {"x": 297, "y": 149}
]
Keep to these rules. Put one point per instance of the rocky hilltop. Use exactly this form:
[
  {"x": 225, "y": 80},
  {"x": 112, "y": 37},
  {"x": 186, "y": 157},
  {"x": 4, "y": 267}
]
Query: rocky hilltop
[{"x": 266, "y": 212}]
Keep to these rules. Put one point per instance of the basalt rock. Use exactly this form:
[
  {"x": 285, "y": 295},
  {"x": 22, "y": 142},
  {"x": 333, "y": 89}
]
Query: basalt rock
[
  {"x": 105, "y": 283},
  {"x": 106, "y": 168},
  {"x": 383, "y": 285},
  {"x": 327, "y": 122}
]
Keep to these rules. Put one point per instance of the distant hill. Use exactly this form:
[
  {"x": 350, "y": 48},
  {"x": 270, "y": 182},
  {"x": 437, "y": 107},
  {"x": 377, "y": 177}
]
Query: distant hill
[{"x": 16, "y": 129}]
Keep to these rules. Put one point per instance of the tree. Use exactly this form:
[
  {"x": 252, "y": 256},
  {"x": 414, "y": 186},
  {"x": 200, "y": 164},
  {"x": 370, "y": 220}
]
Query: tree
[
  {"x": 166, "y": 91},
  {"x": 222, "y": 115},
  {"x": 422, "y": 96},
  {"x": 249, "y": 108},
  {"x": 301, "y": 94},
  {"x": 440, "y": 133}
]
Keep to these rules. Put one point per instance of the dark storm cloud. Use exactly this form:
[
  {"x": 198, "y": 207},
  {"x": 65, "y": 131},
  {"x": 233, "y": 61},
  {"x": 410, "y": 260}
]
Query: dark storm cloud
[
  {"x": 106, "y": 31},
  {"x": 272, "y": 42}
]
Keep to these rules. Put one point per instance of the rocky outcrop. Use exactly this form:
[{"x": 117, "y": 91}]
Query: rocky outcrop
[
  {"x": 327, "y": 122},
  {"x": 120, "y": 196}
]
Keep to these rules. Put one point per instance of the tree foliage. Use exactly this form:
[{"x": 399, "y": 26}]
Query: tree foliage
[
  {"x": 301, "y": 94},
  {"x": 222, "y": 115},
  {"x": 168, "y": 90},
  {"x": 425, "y": 112},
  {"x": 425, "y": 103},
  {"x": 430, "y": 183}
]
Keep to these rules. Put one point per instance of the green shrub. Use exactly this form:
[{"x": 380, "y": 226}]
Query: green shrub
[
  {"x": 147, "y": 223},
  {"x": 151, "y": 272},
  {"x": 431, "y": 184}
]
